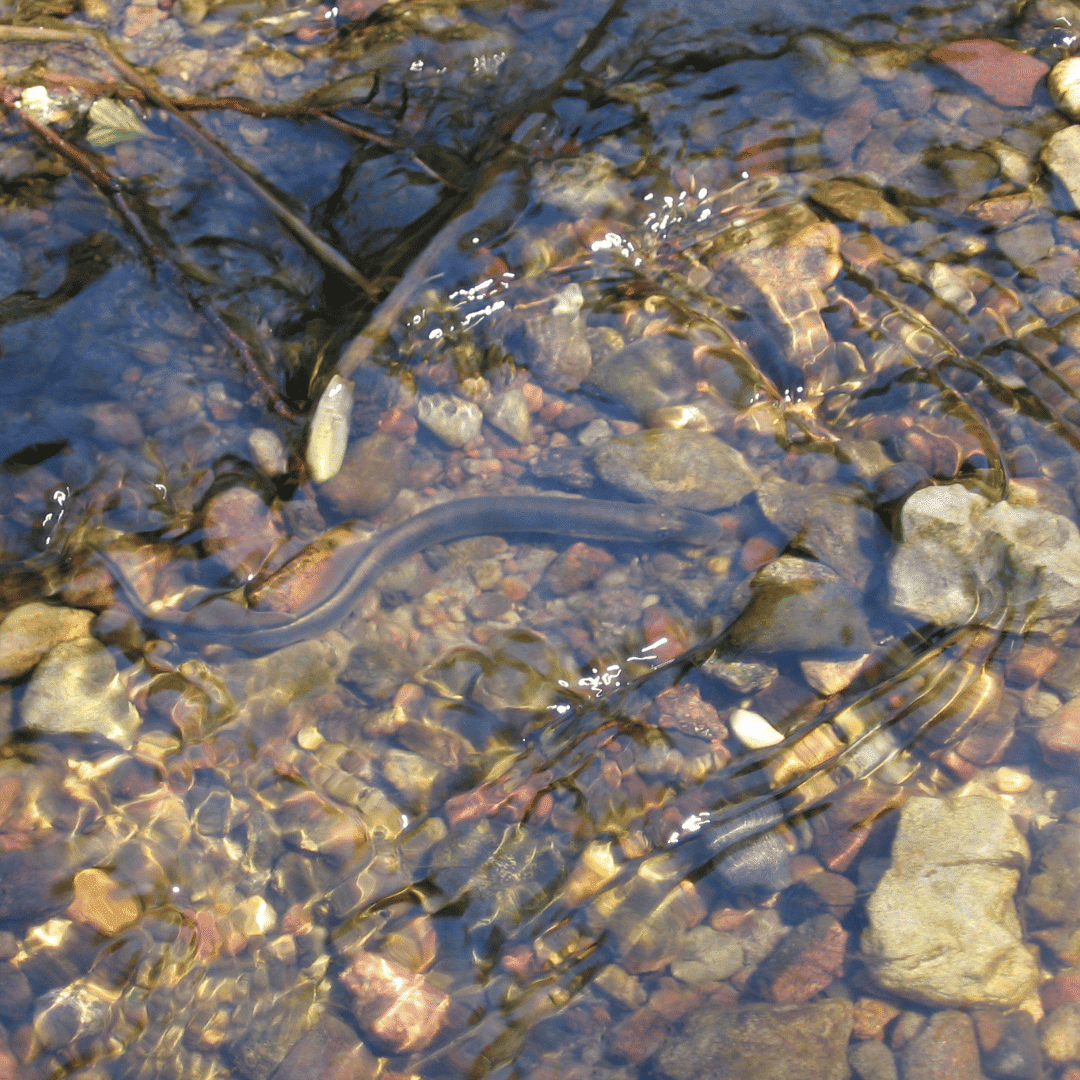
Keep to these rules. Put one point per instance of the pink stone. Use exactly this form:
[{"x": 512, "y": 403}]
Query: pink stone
[
  {"x": 401, "y": 1010},
  {"x": 1060, "y": 731},
  {"x": 1006, "y": 76}
]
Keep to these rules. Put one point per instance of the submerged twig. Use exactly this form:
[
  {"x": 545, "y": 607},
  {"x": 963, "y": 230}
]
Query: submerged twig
[
  {"x": 112, "y": 190},
  {"x": 303, "y": 232}
]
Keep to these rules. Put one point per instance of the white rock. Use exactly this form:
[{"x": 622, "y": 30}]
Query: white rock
[
  {"x": 1061, "y": 155},
  {"x": 753, "y": 730},
  {"x": 268, "y": 451},
  {"x": 328, "y": 437},
  {"x": 1063, "y": 83},
  {"x": 963, "y": 558},
  {"x": 950, "y": 287},
  {"x": 455, "y": 420}
]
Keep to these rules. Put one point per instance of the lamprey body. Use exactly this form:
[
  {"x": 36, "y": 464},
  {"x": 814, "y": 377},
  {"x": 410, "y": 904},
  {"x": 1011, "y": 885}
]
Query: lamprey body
[{"x": 590, "y": 519}]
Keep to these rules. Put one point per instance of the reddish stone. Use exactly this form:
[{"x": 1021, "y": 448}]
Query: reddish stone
[
  {"x": 1060, "y": 731},
  {"x": 680, "y": 708},
  {"x": 756, "y": 552},
  {"x": 844, "y": 132},
  {"x": 1006, "y": 76},
  {"x": 664, "y": 633},
  {"x": 943, "y": 1050},
  {"x": 639, "y": 1036},
  {"x": 870, "y": 1017},
  {"x": 804, "y": 963},
  {"x": 401, "y": 1010},
  {"x": 578, "y": 566},
  {"x": 673, "y": 1001},
  {"x": 1030, "y": 663},
  {"x": 1060, "y": 990}
]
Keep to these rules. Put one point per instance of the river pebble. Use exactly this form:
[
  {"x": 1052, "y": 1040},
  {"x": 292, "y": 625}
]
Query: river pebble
[
  {"x": 1061, "y": 155},
  {"x": 945, "y": 1049},
  {"x": 1006, "y": 76},
  {"x": 959, "y": 549},
  {"x": 31, "y": 630},
  {"x": 761, "y": 1042},
  {"x": 872, "y": 1060},
  {"x": 453, "y": 419},
  {"x": 374, "y": 471},
  {"x": 676, "y": 468},
  {"x": 328, "y": 436},
  {"x": 76, "y": 690},
  {"x": 1064, "y": 85},
  {"x": 943, "y": 926},
  {"x": 800, "y": 605}
]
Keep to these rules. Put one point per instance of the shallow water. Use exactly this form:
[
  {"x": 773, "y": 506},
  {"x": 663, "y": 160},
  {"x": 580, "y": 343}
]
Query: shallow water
[{"x": 507, "y": 816}]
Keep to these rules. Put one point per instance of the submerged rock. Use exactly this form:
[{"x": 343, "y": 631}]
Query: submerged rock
[
  {"x": 761, "y": 1042},
  {"x": 801, "y": 606},
  {"x": 943, "y": 925},
  {"x": 455, "y": 420},
  {"x": 76, "y": 690},
  {"x": 963, "y": 558},
  {"x": 676, "y": 468},
  {"x": 30, "y": 631}
]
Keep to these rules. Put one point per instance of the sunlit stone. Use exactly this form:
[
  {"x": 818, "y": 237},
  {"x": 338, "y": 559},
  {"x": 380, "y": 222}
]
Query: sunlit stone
[
  {"x": 753, "y": 730},
  {"x": 328, "y": 437}
]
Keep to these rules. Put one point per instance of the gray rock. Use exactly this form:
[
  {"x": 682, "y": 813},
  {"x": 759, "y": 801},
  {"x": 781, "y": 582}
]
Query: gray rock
[
  {"x": 761, "y": 1042},
  {"x": 1053, "y": 894},
  {"x": 556, "y": 347},
  {"x": 374, "y": 471},
  {"x": 30, "y": 631},
  {"x": 649, "y": 374},
  {"x": 827, "y": 523},
  {"x": 824, "y": 68},
  {"x": 676, "y": 468},
  {"x": 943, "y": 927},
  {"x": 962, "y": 558},
  {"x": 1027, "y": 244},
  {"x": 455, "y": 420},
  {"x": 76, "y": 690},
  {"x": 509, "y": 412},
  {"x": 707, "y": 956},
  {"x": 1061, "y": 155},
  {"x": 801, "y": 606},
  {"x": 872, "y": 1060}
]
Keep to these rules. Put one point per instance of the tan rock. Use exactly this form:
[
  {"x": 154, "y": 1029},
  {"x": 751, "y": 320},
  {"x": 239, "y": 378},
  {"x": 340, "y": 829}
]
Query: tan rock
[
  {"x": 30, "y": 631},
  {"x": 100, "y": 904}
]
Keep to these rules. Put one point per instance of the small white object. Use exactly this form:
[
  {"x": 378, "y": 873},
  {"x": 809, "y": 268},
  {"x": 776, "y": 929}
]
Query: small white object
[
  {"x": 268, "y": 451},
  {"x": 753, "y": 730},
  {"x": 1063, "y": 83},
  {"x": 328, "y": 437}
]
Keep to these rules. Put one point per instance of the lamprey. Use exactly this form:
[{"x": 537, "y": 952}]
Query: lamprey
[{"x": 590, "y": 519}]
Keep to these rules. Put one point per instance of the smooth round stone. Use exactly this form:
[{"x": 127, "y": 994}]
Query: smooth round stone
[
  {"x": 1064, "y": 85},
  {"x": 328, "y": 437},
  {"x": 824, "y": 68},
  {"x": 690, "y": 469}
]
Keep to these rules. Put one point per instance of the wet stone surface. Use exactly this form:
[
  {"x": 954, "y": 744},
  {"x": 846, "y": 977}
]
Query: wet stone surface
[{"x": 746, "y": 794}]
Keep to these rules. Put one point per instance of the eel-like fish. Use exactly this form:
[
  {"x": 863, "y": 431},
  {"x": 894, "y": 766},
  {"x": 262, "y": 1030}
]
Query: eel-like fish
[{"x": 228, "y": 623}]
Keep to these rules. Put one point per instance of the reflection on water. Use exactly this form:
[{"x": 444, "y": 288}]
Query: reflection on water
[{"x": 786, "y": 790}]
